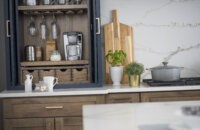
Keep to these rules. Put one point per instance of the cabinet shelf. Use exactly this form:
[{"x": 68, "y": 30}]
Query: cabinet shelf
[
  {"x": 52, "y": 7},
  {"x": 54, "y": 63}
]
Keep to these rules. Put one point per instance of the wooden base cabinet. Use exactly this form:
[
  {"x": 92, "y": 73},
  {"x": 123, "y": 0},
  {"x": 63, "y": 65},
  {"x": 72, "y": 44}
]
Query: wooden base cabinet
[
  {"x": 68, "y": 123},
  {"x": 123, "y": 98},
  {"x": 29, "y": 124},
  {"x": 170, "y": 96},
  {"x": 46, "y": 113}
]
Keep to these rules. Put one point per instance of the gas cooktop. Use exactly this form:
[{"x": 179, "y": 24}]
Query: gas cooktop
[{"x": 181, "y": 82}]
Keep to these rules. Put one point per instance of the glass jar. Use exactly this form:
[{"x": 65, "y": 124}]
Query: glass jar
[
  {"x": 76, "y": 2},
  {"x": 61, "y": 2},
  {"x": 38, "y": 53},
  {"x": 55, "y": 56}
]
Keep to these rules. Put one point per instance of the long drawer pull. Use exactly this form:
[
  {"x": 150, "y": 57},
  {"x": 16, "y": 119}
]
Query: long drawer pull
[
  {"x": 54, "y": 107},
  {"x": 122, "y": 99},
  {"x": 7, "y": 28}
]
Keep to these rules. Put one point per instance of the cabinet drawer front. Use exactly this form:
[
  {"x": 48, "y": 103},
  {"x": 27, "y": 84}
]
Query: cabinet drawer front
[
  {"x": 122, "y": 98},
  {"x": 29, "y": 124},
  {"x": 46, "y": 107}
]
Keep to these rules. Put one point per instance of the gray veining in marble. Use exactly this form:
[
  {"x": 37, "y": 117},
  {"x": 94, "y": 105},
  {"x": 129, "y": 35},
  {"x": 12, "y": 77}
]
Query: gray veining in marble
[{"x": 164, "y": 30}]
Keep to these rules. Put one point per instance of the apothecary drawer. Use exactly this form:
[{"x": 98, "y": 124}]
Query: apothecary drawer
[
  {"x": 46, "y": 72},
  {"x": 46, "y": 107},
  {"x": 80, "y": 74},
  {"x": 34, "y": 73},
  {"x": 64, "y": 75}
]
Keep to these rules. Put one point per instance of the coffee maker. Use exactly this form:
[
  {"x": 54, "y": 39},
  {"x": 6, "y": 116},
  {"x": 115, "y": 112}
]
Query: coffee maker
[{"x": 73, "y": 42}]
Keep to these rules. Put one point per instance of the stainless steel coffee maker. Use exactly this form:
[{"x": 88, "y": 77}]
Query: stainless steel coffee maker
[{"x": 73, "y": 42}]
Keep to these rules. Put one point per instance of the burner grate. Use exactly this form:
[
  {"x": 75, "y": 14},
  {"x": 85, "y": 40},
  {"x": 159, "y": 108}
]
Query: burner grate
[{"x": 181, "y": 82}]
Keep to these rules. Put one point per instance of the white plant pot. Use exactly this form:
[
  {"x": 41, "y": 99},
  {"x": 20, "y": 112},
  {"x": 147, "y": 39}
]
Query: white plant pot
[{"x": 116, "y": 74}]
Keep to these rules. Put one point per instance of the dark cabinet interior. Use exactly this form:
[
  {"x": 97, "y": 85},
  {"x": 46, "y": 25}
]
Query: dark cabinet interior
[{"x": 77, "y": 19}]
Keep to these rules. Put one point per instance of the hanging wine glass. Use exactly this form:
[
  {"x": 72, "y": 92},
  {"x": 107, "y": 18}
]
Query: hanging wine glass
[
  {"x": 54, "y": 28},
  {"x": 32, "y": 30},
  {"x": 43, "y": 28}
]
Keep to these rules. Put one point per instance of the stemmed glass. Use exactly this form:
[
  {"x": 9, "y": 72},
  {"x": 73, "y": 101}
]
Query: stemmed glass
[
  {"x": 32, "y": 27},
  {"x": 43, "y": 28},
  {"x": 54, "y": 28}
]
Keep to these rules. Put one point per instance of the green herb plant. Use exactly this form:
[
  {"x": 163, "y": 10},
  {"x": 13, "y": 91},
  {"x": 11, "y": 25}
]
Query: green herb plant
[
  {"x": 116, "y": 58},
  {"x": 134, "y": 69}
]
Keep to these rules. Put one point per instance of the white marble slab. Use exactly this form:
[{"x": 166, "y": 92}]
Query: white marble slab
[
  {"x": 133, "y": 116},
  {"x": 95, "y": 91},
  {"x": 164, "y": 30}
]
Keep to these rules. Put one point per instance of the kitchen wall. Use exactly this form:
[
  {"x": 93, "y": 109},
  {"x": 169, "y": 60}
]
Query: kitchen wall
[{"x": 164, "y": 30}]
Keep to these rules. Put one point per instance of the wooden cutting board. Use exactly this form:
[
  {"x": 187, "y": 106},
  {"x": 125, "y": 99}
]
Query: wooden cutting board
[{"x": 118, "y": 36}]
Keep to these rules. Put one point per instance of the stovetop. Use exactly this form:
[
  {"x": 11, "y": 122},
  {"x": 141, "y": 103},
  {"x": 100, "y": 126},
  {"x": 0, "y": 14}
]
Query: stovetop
[{"x": 181, "y": 82}]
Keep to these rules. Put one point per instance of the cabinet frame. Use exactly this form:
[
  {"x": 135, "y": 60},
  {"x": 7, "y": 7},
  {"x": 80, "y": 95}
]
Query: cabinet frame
[
  {"x": 95, "y": 60},
  {"x": 170, "y": 96}
]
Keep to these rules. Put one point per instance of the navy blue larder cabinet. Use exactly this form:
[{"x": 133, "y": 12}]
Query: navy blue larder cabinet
[{"x": 15, "y": 20}]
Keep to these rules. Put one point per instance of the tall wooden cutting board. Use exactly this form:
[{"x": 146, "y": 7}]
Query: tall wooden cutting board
[{"x": 118, "y": 36}]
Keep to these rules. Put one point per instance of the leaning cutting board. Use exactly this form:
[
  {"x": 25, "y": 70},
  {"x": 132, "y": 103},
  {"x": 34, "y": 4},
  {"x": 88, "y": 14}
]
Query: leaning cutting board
[{"x": 118, "y": 36}]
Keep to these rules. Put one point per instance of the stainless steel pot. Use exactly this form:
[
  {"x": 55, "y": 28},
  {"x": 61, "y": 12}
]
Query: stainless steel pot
[{"x": 166, "y": 73}]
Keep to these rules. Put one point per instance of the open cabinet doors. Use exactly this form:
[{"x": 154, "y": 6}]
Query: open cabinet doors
[
  {"x": 11, "y": 55},
  {"x": 7, "y": 49},
  {"x": 97, "y": 41},
  {"x": 13, "y": 49}
]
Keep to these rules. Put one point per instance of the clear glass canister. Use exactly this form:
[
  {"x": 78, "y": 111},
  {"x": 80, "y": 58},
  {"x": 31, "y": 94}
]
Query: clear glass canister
[{"x": 55, "y": 56}]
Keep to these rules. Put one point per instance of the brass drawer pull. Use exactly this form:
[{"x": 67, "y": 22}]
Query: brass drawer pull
[
  {"x": 54, "y": 107},
  {"x": 123, "y": 99},
  {"x": 7, "y": 28}
]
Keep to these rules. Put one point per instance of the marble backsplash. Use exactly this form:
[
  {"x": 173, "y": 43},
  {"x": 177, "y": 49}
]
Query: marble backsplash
[{"x": 164, "y": 30}]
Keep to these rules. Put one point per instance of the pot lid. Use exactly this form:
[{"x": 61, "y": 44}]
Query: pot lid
[{"x": 165, "y": 66}]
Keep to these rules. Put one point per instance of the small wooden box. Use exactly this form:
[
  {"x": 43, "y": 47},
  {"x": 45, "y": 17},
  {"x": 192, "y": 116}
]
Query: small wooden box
[
  {"x": 34, "y": 73},
  {"x": 80, "y": 75},
  {"x": 46, "y": 72},
  {"x": 64, "y": 75}
]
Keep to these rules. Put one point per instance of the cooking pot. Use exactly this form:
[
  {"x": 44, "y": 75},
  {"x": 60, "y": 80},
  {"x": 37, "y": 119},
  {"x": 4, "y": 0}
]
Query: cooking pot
[{"x": 166, "y": 73}]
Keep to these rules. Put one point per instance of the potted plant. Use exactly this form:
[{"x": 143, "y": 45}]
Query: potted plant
[
  {"x": 116, "y": 59},
  {"x": 134, "y": 70}
]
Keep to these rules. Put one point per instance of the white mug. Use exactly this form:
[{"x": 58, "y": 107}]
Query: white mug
[{"x": 50, "y": 81}]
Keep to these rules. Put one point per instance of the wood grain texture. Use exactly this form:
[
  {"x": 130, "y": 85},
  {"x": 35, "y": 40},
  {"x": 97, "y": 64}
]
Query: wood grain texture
[
  {"x": 118, "y": 36},
  {"x": 52, "y": 7},
  {"x": 65, "y": 74},
  {"x": 68, "y": 123},
  {"x": 39, "y": 107},
  {"x": 54, "y": 63},
  {"x": 123, "y": 98},
  {"x": 66, "y": 23},
  {"x": 29, "y": 124},
  {"x": 170, "y": 96}
]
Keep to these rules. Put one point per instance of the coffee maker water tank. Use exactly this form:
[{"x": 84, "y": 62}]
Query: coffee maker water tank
[{"x": 73, "y": 42}]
